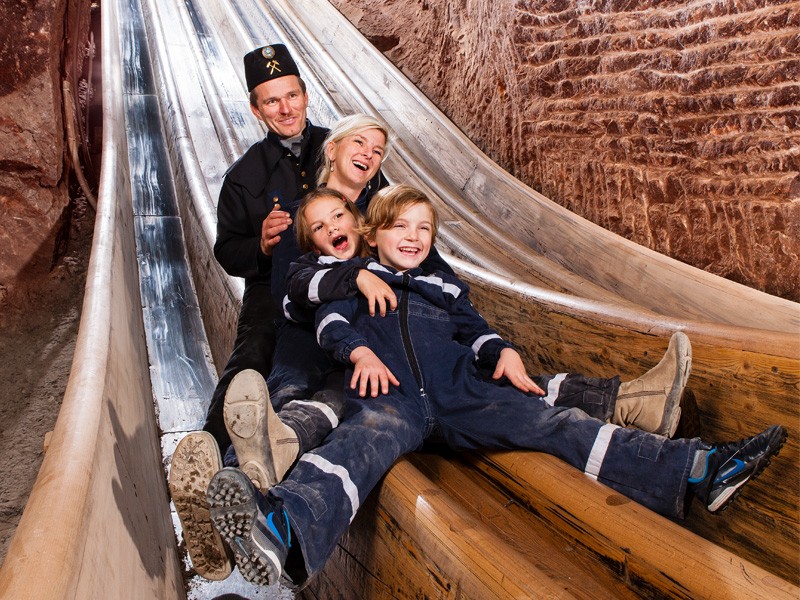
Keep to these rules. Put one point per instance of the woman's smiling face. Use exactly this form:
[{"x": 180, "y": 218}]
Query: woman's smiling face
[
  {"x": 356, "y": 158},
  {"x": 333, "y": 228}
]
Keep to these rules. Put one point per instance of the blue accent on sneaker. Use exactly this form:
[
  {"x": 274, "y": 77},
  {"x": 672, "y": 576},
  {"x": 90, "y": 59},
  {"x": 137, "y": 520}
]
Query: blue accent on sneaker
[
  {"x": 274, "y": 529},
  {"x": 245, "y": 519},
  {"x": 737, "y": 467},
  {"x": 705, "y": 469},
  {"x": 730, "y": 466}
]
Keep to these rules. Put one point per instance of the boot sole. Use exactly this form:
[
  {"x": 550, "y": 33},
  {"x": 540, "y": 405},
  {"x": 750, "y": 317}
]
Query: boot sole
[
  {"x": 195, "y": 461},
  {"x": 255, "y": 430},
  {"x": 234, "y": 513},
  {"x": 672, "y": 406}
]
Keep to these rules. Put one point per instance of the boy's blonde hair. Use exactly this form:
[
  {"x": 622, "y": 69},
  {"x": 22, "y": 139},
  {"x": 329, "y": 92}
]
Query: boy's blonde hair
[
  {"x": 302, "y": 228},
  {"x": 390, "y": 202},
  {"x": 343, "y": 128}
]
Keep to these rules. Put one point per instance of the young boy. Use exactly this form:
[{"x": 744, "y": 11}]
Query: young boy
[
  {"x": 413, "y": 373},
  {"x": 304, "y": 377}
]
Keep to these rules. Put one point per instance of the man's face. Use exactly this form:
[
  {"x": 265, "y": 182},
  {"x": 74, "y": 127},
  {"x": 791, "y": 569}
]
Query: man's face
[{"x": 281, "y": 105}]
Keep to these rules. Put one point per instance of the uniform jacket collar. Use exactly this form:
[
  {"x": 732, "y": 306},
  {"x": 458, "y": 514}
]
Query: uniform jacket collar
[{"x": 254, "y": 168}]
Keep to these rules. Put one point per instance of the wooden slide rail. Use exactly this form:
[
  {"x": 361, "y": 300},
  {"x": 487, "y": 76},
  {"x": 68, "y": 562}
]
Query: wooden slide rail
[{"x": 97, "y": 523}]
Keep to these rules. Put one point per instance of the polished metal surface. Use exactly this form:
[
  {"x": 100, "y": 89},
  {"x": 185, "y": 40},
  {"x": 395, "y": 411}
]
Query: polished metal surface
[{"x": 181, "y": 368}]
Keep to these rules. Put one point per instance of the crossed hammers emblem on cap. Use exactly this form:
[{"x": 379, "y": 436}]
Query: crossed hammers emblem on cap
[{"x": 273, "y": 66}]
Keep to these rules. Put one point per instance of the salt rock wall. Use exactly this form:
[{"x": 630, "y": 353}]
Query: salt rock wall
[
  {"x": 33, "y": 194},
  {"x": 674, "y": 124}
]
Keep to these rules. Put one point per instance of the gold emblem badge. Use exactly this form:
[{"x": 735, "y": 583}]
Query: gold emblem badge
[{"x": 268, "y": 52}]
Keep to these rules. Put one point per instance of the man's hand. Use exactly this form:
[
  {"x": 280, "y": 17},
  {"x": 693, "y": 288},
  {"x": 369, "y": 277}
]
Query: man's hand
[
  {"x": 277, "y": 222},
  {"x": 378, "y": 293},
  {"x": 510, "y": 365},
  {"x": 370, "y": 370}
]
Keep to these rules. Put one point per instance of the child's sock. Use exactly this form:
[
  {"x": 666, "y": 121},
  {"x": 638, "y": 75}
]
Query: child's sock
[{"x": 699, "y": 466}]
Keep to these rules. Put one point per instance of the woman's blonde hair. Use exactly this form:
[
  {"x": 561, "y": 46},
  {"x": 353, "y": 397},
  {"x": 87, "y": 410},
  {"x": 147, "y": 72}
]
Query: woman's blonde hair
[
  {"x": 389, "y": 203},
  {"x": 302, "y": 228},
  {"x": 343, "y": 128}
]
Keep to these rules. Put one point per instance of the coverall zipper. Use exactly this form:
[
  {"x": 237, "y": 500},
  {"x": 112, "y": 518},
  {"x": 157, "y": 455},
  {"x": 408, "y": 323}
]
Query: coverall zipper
[{"x": 406, "y": 335}]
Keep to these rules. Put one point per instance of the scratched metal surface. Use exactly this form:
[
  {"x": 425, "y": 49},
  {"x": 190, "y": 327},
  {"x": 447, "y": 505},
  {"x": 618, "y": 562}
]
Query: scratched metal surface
[{"x": 183, "y": 375}]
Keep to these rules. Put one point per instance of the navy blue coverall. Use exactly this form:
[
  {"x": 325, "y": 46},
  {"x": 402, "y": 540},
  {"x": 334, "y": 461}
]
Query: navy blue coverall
[{"x": 434, "y": 343}]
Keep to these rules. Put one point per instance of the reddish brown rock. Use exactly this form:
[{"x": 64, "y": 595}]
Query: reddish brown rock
[
  {"x": 32, "y": 191},
  {"x": 674, "y": 124}
]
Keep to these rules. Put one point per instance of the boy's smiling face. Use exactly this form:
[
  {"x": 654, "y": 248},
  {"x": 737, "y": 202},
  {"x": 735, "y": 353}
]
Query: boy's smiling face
[
  {"x": 408, "y": 241},
  {"x": 333, "y": 228}
]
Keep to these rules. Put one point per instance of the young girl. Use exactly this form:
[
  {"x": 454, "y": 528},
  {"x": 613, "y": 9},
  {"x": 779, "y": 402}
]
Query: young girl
[
  {"x": 419, "y": 364},
  {"x": 269, "y": 430},
  {"x": 270, "y": 423}
]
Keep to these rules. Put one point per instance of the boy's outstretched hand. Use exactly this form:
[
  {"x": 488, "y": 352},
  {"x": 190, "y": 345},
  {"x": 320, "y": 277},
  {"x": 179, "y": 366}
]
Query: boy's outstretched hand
[
  {"x": 511, "y": 365},
  {"x": 379, "y": 294},
  {"x": 370, "y": 371}
]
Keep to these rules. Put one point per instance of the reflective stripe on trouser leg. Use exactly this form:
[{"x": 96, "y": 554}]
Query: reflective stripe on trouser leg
[
  {"x": 339, "y": 471},
  {"x": 311, "y": 405},
  {"x": 313, "y": 419},
  {"x": 599, "y": 449},
  {"x": 593, "y": 395},
  {"x": 553, "y": 387}
]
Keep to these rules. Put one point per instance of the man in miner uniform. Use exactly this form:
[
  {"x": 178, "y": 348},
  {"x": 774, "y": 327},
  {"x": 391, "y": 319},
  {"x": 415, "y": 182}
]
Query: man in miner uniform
[{"x": 255, "y": 240}]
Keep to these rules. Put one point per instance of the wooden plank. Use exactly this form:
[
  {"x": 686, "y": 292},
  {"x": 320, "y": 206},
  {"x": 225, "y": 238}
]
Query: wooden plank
[
  {"x": 740, "y": 387},
  {"x": 413, "y": 540},
  {"x": 661, "y": 554},
  {"x": 590, "y": 575}
]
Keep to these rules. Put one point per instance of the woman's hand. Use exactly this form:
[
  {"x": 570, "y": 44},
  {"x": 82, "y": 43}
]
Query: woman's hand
[
  {"x": 370, "y": 371},
  {"x": 510, "y": 365},
  {"x": 378, "y": 293}
]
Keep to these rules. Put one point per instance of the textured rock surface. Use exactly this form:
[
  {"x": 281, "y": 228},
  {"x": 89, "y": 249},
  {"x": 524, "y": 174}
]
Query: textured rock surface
[
  {"x": 674, "y": 124},
  {"x": 42, "y": 264},
  {"x": 33, "y": 196}
]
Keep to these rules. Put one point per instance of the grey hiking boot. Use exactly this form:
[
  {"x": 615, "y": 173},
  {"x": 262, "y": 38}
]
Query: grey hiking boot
[
  {"x": 194, "y": 463},
  {"x": 254, "y": 525},
  {"x": 265, "y": 446},
  {"x": 652, "y": 402}
]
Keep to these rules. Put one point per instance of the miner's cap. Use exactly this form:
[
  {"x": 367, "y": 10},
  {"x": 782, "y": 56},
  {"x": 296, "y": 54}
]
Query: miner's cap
[{"x": 267, "y": 63}]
